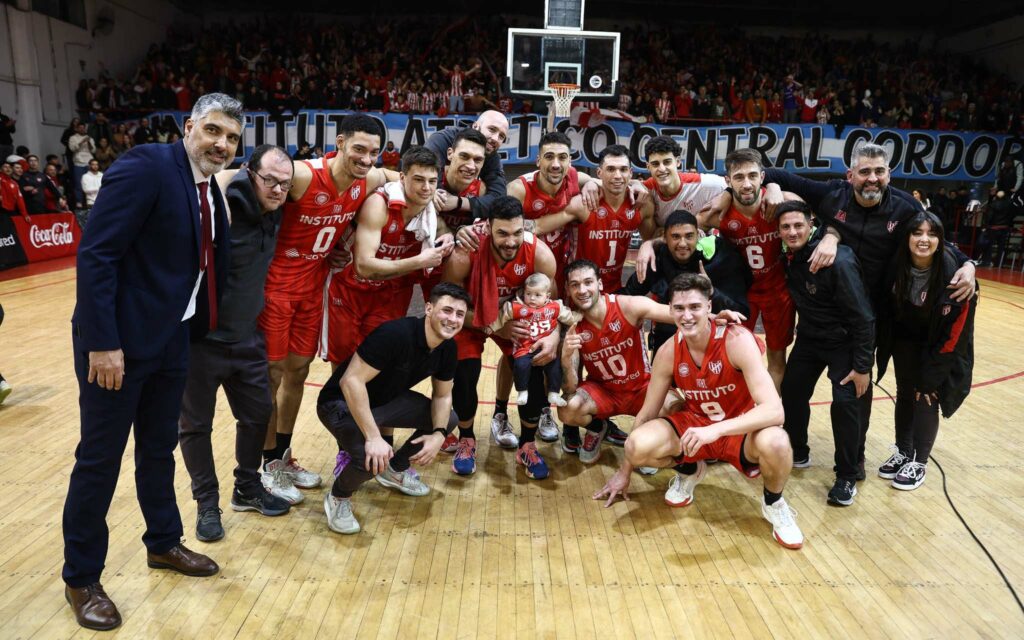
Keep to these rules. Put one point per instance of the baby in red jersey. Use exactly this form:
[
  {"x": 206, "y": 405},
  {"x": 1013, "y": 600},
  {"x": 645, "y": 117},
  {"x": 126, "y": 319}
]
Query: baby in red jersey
[{"x": 543, "y": 314}]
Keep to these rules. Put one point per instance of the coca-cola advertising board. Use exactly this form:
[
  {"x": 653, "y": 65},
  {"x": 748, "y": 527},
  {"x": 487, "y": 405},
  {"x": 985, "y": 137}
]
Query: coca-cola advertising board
[{"x": 48, "y": 236}]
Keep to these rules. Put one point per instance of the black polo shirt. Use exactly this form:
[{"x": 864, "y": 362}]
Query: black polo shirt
[{"x": 398, "y": 349}]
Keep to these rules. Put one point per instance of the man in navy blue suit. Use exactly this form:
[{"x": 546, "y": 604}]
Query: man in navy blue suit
[{"x": 149, "y": 268}]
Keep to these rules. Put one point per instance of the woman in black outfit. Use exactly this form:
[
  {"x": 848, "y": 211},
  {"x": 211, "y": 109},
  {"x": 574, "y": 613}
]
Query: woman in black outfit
[{"x": 930, "y": 338}]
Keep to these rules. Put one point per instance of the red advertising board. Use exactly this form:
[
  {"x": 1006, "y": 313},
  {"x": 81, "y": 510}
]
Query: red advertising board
[{"x": 48, "y": 236}]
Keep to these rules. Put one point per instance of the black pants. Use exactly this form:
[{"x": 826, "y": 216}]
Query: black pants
[
  {"x": 465, "y": 399},
  {"x": 149, "y": 400},
  {"x": 992, "y": 238},
  {"x": 241, "y": 368},
  {"x": 917, "y": 422},
  {"x": 522, "y": 372},
  {"x": 803, "y": 368},
  {"x": 408, "y": 410}
]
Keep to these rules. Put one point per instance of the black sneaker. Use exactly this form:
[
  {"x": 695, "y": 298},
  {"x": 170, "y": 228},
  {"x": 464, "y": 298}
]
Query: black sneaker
[
  {"x": 842, "y": 492},
  {"x": 615, "y": 436},
  {"x": 265, "y": 502},
  {"x": 208, "y": 527},
  {"x": 571, "y": 439},
  {"x": 802, "y": 463}
]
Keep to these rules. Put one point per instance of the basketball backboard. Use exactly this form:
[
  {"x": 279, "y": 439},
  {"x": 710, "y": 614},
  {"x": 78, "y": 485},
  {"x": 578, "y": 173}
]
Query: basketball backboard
[{"x": 539, "y": 57}]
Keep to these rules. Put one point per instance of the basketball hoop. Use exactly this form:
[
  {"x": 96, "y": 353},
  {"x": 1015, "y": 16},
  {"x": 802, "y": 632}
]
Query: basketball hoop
[{"x": 563, "y": 95}]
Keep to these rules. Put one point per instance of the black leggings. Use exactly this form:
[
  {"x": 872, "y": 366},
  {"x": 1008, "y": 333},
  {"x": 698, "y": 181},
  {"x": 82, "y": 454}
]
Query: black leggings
[
  {"x": 464, "y": 397},
  {"x": 917, "y": 422}
]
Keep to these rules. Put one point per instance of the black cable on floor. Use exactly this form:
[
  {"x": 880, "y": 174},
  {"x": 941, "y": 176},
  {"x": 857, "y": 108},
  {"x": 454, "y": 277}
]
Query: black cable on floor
[{"x": 945, "y": 490}]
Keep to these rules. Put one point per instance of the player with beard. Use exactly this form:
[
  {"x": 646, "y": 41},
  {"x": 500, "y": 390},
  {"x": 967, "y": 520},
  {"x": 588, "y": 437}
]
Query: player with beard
[
  {"x": 494, "y": 127},
  {"x": 494, "y": 272},
  {"x": 727, "y": 410},
  {"x": 749, "y": 230},
  {"x": 326, "y": 193},
  {"x": 870, "y": 216},
  {"x": 389, "y": 254},
  {"x": 609, "y": 345}
]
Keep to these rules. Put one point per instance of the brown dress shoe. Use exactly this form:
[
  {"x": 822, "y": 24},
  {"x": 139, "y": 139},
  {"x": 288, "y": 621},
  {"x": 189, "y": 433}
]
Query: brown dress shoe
[
  {"x": 93, "y": 607},
  {"x": 183, "y": 561}
]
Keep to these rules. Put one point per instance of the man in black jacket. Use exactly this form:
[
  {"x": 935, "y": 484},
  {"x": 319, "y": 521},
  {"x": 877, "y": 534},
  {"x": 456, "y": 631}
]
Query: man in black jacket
[
  {"x": 234, "y": 355},
  {"x": 999, "y": 217},
  {"x": 682, "y": 252},
  {"x": 494, "y": 126},
  {"x": 837, "y": 332}
]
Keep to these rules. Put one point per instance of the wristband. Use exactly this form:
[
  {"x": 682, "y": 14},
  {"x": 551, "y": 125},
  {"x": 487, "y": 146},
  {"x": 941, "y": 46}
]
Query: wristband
[
  {"x": 458, "y": 204},
  {"x": 443, "y": 432}
]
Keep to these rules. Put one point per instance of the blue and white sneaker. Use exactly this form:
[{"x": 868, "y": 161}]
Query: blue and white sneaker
[
  {"x": 464, "y": 462},
  {"x": 527, "y": 456}
]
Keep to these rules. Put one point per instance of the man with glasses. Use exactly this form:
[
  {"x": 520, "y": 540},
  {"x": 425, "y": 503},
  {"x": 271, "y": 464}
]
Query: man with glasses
[{"x": 234, "y": 355}]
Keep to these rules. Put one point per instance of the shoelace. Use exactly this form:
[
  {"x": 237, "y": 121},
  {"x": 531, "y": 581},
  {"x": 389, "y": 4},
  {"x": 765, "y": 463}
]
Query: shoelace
[
  {"x": 897, "y": 458},
  {"x": 784, "y": 515},
  {"x": 206, "y": 516},
  {"x": 293, "y": 466},
  {"x": 465, "y": 449},
  {"x": 532, "y": 457},
  {"x": 344, "y": 507},
  {"x": 281, "y": 478},
  {"x": 912, "y": 469},
  {"x": 590, "y": 440}
]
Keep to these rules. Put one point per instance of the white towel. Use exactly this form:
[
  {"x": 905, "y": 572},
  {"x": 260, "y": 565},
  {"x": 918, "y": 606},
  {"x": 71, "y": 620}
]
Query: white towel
[{"x": 424, "y": 225}]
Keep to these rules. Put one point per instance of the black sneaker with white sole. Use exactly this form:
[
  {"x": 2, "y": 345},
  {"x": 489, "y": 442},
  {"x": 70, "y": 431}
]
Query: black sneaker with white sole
[
  {"x": 571, "y": 439},
  {"x": 208, "y": 527},
  {"x": 265, "y": 502},
  {"x": 842, "y": 492},
  {"x": 615, "y": 436}
]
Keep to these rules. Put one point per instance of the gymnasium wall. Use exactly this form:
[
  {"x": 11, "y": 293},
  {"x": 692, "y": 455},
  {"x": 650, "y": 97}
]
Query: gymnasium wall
[
  {"x": 1000, "y": 45},
  {"x": 42, "y": 59}
]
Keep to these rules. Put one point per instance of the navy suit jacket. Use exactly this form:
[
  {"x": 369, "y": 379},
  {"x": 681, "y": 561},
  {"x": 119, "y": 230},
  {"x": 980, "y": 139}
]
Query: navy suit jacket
[{"x": 139, "y": 256}]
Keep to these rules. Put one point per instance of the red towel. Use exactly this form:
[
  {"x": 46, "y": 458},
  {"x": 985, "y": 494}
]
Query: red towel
[{"x": 483, "y": 286}]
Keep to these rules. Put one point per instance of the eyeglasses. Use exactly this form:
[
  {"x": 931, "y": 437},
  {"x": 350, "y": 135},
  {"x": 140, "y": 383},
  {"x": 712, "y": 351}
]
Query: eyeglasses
[{"x": 270, "y": 183}]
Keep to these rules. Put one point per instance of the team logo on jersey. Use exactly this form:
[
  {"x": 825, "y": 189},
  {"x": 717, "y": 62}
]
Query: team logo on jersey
[
  {"x": 684, "y": 370},
  {"x": 924, "y": 296},
  {"x": 615, "y": 326},
  {"x": 841, "y": 216},
  {"x": 549, "y": 313},
  {"x": 520, "y": 269},
  {"x": 616, "y": 224},
  {"x": 751, "y": 231},
  {"x": 355, "y": 191},
  {"x": 321, "y": 198},
  {"x": 715, "y": 367},
  {"x": 946, "y": 309},
  {"x": 812, "y": 288},
  {"x": 630, "y": 213},
  {"x": 734, "y": 225},
  {"x": 586, "y": 336},
  {"x": 605, "y": 342},
  {"x": 524, "y": 312},
  {"x": 602, "y": 212},
  {"x": 537, "y": 205},
  {"x": 702, "y": 383},
  {"x": 892, "y": 225},
  {"x": 393, "y": 227}
]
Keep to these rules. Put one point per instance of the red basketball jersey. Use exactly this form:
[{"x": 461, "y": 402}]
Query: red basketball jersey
[
  {"x": 543, "y": 321},
  {"x": 310, "y": 227},
  {"x": 456, "y": 219},
  {"x": 395, "y": 244},
  {"x": 715, "y": 389},
  {"x": 758, "y": 240},
  {"x": 604, "y": 240},
  {"x": 538, "y": 204},
  {"x": 512, "y": 276},
  {"x": 614, "y": 354}
]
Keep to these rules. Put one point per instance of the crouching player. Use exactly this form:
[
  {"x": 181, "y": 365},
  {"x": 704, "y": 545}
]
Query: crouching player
[{"x": 727, "y": 409}]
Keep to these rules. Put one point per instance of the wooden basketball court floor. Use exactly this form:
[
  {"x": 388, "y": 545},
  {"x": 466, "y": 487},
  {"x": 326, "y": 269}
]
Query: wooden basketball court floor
[{"x": 497, "y": 555}]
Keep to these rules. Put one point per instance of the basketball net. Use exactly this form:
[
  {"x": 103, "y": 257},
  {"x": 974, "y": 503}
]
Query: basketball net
[{"x": 563, "y": 95}]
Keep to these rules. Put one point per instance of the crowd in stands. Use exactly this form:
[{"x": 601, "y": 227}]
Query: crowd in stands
[{"x": 703, "y": 75}]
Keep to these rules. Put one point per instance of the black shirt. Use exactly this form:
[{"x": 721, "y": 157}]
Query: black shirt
[
  {"x": 491, "y": 174},
  {"x": 398, "y": 349}
]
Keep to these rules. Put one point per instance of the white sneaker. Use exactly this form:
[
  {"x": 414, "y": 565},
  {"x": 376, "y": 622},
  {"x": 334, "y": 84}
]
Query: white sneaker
[
  {"x": 339, "y": 515},
  {"x": 680, "y": 489},
  {"x": 547, "y": 428},
  {"x": 301, "y": 478},
  {"x": 522, "y": 397},
  {"x": 590, "y": 450},
  {"x": 783, "y": 519},
  {"x": 647, "y": 471},
  {"x": 556, "y": 399},
  {"x": 5, "y": 390},
  {"x": 501, "y": 432},
  {"x": 408, "y": 481},
  {"x": 277, "y": 481}
]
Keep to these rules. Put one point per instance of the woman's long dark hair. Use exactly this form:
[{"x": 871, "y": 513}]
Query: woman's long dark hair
[{"x": 936, "y": 281}]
